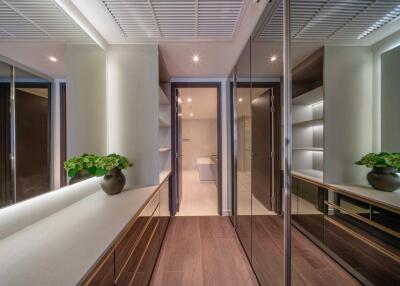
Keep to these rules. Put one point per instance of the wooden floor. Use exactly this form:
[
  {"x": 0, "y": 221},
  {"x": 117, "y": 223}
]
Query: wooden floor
[
  {"x": 202, "y": 251},
  {"x": 206, "y": 251}
]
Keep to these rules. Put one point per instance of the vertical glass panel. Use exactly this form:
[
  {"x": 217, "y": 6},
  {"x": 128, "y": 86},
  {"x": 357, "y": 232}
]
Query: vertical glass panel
[
  {"x": 32, "y": 134},
  {"x": 231, "y": 202},
  {"x": 267, "y": 219},
  {"x": 242, "y": 103},
  {"x": 6, "y": 193},
  {"x": 345, "y": 82}
]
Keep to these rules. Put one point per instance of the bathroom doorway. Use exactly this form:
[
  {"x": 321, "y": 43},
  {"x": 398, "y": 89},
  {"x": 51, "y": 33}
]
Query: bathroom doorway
[{"x": 197, "y": 145}]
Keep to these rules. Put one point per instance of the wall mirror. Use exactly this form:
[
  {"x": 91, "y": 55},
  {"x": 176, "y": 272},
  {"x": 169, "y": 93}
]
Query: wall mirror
[{"x": 52, "y": 99}]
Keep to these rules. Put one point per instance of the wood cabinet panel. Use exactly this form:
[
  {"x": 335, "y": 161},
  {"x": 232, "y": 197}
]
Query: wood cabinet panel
[
  {"x": 133, "y": 263},
  {"x": 129, "y": 241},
  {"x": 103, "y": 275}
]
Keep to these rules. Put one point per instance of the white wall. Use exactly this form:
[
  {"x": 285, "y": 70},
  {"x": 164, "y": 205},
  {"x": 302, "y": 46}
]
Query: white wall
[
  {"x": 86, "y": 100},
  {"x": 348, "y": 109},
  {"x": 132, "y": 106},
  {"x": 199, "y": 140}
]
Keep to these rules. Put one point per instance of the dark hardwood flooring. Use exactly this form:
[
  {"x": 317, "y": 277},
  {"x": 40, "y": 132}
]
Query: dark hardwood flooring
[
  {"x": 202, "y": 251},
  {"x": 206, "y": 251}
]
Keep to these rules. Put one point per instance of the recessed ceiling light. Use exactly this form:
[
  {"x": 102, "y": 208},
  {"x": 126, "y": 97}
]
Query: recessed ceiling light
[
  {"x": 189, "y": 100},
  {"x": 180, "y": 114},
  {"x": 273, "y": 58},
  {"x": 240, "y": 99},
  {"x": 53, "y": 59},
  {"x": 179, "y": 100},
  {"x": 196, "y": 58},
  {"x": 191, "y": 114}
]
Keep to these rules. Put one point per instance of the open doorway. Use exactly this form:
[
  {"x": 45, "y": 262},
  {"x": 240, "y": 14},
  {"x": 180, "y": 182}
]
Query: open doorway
[{"x": 197, "y": 168}]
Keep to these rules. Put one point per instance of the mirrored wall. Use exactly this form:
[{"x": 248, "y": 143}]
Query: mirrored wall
[{"x": 345, "y": 206}]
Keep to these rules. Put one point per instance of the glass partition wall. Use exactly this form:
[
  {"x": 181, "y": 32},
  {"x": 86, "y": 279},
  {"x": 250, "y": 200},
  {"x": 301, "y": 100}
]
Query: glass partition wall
[
  {"x": 25, "y": 134},
  {"x": 344, "y": 225}
]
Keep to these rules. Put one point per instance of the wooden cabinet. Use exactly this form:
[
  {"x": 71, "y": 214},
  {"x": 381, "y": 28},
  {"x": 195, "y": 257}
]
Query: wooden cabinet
[{"x": 131, "y": 259}]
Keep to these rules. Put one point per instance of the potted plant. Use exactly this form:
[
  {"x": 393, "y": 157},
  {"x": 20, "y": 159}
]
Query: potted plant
[
  {"x": 385, "y": 168},
  {"x": 110, "y": 167},
  {"x": 81, "y": 167}
]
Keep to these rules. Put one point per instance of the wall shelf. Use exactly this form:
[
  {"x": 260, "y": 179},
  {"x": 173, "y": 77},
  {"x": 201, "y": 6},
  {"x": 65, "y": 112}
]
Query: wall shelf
[
  {"x": 163, "y": 123},
  {"x": 309, "y": 123},
  {"x": 164, "y": 149},
  {"x": 309, "y": 173},
  {"x": 163, "y": 99},
  {"x": 308, "y": 149},
  {"x": 311, "y": 97}
]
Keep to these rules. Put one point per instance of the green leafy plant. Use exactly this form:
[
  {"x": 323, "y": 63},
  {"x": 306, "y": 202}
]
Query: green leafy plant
[
  {"x": 105, "y": 164},
  {"x": 382, "y": 160},
  {"x": 83, "y": 162}
]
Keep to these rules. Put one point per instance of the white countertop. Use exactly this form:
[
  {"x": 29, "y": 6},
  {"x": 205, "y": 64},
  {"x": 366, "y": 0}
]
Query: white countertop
[{"x": 61, "y": 248}]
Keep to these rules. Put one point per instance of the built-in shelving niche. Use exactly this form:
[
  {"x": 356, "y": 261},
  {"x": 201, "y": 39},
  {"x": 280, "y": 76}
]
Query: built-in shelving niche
[
  {"x": 308, "y": 118},
  {"x": 164, "y": 135}
]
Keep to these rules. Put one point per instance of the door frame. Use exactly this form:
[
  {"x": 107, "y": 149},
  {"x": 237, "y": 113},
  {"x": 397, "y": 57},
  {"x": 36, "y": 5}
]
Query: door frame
[{"x": 174, "y": 134}]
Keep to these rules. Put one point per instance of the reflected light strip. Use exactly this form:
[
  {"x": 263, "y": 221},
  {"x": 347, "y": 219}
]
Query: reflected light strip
[
  {"x": 316, "y": 103},
  {"x": 71, "y": 10}
]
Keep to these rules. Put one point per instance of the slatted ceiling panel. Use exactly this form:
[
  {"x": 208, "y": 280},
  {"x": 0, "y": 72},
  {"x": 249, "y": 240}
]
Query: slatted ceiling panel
[
  {"x": 218, "y": 18},
  {"x": 135, "y": 18},
  {"x": 191, "y": 19},
  {"x": 175, "y": 18},
  {"x": 329, "y": 19},
  {"x": 38, "y": 20}
]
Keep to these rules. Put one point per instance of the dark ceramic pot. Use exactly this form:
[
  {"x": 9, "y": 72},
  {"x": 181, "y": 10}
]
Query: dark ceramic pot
[
  {"x": 80, "y": 176},
  {"x": 384, "y": 179},
  {"x": 113, "y": 182}
]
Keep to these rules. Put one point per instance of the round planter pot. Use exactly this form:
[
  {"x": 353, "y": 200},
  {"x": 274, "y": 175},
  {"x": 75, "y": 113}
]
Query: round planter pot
[
  {"x": 113, "y": 182},
  {"x": 80, "y": 176},
  {"x": 384, "y": 179}
]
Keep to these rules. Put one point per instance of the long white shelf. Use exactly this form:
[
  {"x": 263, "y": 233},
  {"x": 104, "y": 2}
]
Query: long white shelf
[
  {"x": 308, "y": 149},
  {"x": 309, "y": 123},
  {"x": 313, "y": 96}
]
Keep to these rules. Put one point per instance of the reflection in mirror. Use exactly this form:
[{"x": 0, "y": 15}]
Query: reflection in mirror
[{"x": 42, "y": 72}]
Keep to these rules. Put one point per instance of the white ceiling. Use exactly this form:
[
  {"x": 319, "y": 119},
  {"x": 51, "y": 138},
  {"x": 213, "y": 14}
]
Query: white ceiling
[
  {"x": 203, "y": 104},
  {"x": 36, "y": 56}
]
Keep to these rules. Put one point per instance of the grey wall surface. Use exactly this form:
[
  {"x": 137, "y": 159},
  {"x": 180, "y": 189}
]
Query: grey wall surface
[
  {"x": 390, "y": 101},
  {"x": 86, "y": 100},
  {"x": 132, "y": 104},
  {"x": 348, "y": 112}
]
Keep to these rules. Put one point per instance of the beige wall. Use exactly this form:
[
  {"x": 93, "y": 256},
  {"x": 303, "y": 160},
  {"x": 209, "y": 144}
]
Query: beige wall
[{"x": 199, "y": 140}]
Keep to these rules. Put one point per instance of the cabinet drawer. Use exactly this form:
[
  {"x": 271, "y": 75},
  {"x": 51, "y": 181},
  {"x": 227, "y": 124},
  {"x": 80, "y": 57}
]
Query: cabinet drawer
[
  {"x": 103, "y": 275},
  {"x": 138, "y": 253},
  {"x": 127, "y": 244}
]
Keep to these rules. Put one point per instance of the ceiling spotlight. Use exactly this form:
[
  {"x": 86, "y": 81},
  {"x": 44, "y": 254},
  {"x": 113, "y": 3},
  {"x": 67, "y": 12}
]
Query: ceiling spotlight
[
  {"x": 196, "y": 58},
  {"x": 179, "y": 100},
  {"x": 191, "y": 114},
  {"x": 180, "y": 114},
  {"x": 53, "y": 59},
  {"x": 189, "y": 100},
  {"x": 240, "y": 99},
  {"x": 273, "y": 58}
]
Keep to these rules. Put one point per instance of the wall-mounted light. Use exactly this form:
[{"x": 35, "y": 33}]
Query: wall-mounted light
[
  {"x": 53, "y": 59},
  {"x": 240, "y": 99},
  {"x": 180, "y": 114},
  {"x": 196, "y": 58},
  {"x": 179, "y": 100},
  {"x": 189, "y": 100}
]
